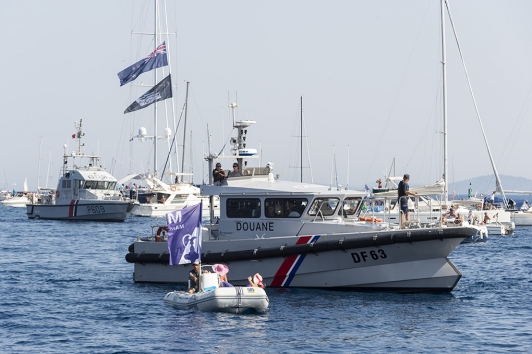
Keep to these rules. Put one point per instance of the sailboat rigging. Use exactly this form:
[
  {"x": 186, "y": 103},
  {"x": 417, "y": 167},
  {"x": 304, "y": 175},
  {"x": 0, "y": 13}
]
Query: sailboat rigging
[
  {"x": 160, "y": 194},
  {"x": 495, "y": 172},
  {"x": 301, "y": 134}
]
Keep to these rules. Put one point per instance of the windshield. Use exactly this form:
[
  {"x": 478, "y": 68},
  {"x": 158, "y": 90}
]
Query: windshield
[{"x": 323, "y": 206}]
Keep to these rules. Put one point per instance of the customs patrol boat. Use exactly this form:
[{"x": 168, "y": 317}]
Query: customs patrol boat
[
  {"x": 83, "y": 193},
  {"x": 305, "y": 235}
]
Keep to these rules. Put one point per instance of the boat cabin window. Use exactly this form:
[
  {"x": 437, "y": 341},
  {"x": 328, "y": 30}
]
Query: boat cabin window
[
  {"x": 350, "y": 206},
  {"x": 98, "y": 185},
  {"x": 323, "y": 206},
  {"x": 284, "y": 207},
  {"x": 66, "y": 183},
  {"x": 90, "y": 185},
  {"x": 162, "y": 197},
  {"x": 242, "y": 207}
]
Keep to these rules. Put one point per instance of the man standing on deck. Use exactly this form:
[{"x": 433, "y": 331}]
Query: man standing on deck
[
  {"x": 402, "y": 199},
  {"x": 492, "y": 199}
]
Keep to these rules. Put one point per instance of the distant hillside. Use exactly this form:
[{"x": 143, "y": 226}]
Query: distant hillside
[{"x": 486, "y": 184}]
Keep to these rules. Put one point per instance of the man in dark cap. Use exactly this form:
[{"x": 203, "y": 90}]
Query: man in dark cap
[
  {"x": 402, "y": 194},
  {"x": 193, "y": 275}
]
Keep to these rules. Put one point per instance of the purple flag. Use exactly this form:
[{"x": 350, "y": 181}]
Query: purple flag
[{"x": 184, "y": 232}]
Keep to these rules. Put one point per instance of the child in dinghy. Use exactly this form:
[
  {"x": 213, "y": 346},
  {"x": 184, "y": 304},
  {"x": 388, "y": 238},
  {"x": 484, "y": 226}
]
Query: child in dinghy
[
  {"x": 222, "y": 271},
  {"x": 256, "y": 281}
]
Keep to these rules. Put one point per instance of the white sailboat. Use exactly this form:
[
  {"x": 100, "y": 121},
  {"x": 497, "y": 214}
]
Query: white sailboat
[
  {"x": 523, "y": 215},
  {"x": 20, "y": 198},
  {"x": 428, "y": 210}
]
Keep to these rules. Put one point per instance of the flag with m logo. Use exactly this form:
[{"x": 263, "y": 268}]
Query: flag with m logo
[{"x": 184, "y": 232}]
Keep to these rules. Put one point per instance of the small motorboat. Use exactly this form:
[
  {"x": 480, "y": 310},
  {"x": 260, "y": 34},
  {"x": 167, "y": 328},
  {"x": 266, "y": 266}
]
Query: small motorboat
[{"x": 213, "y": 298}]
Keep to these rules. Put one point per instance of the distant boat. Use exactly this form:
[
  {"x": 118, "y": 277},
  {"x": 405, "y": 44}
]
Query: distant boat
[
  {"x": 5, "y": 194},
  {"x": 18, "y": 199},
  {"x": 83, "y": 193},
  {"x": 522, "y": 218}
]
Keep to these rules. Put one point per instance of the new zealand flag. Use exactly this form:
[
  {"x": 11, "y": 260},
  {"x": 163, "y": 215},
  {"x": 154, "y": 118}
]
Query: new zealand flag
[
  {"x": 159, "y": 92},
  {"x": 155, "y": 60},
  {"x": 184, "y": 232}
]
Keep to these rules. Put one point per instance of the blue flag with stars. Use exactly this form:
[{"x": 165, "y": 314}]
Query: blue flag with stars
[{"x": 155, "y": 60}]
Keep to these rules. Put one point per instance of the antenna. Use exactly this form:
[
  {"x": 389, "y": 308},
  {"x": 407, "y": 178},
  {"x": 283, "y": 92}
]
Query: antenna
[
  {"x": 39, "y": 166},
  {"x": 332, "y": 171},
  {"x": 233, "y": 106},
  {"x": 336, "y": 173},
  {"x": 191, "y": 159},
  {"x": 347, "y": 185},
  {"x": 48, "y": 175},
  {"x": 209, "y": 155}
]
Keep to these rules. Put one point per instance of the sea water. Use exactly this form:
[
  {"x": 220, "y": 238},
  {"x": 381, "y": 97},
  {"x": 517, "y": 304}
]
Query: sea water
[{"x": 66, "y": 288}]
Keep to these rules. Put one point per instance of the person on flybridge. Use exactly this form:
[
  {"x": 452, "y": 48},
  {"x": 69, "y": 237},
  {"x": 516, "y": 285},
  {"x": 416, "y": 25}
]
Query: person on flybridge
[
  {"x": 236, "y": 171},
  {"x": 218, "y": 174}
]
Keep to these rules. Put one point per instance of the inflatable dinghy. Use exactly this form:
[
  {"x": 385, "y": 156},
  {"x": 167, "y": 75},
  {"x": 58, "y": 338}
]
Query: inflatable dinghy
[{"x": 220, "y": 299}]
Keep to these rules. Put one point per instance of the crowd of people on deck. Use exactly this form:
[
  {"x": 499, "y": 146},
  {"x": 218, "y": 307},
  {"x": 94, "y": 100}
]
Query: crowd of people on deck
[{"x": 457, "y": 218}]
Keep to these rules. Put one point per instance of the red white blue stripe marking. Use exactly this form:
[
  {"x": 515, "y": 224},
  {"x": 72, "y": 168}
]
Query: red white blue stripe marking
[
  {"x": 72, "y": 210},
  {"x": 291, "y": 264}
]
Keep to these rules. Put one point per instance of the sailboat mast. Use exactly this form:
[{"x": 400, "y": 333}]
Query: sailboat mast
[
  {"x": 184, "y": 134},
  {"x": 444, "y": 105},
  {"x": 48, "y": 175},
  {"x": 155, "y": 104},
  {"x": 39, "y": 167},
  {"x": 301, "y": 139}
]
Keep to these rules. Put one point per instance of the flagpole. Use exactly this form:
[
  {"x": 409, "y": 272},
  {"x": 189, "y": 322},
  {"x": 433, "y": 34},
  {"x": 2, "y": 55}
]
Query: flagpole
[
  {"x": 199, "y": 245},
  {"x": 184, "y": 136}
]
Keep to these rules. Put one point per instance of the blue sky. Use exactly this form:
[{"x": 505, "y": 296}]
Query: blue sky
[{"x": 369, "y": 73}]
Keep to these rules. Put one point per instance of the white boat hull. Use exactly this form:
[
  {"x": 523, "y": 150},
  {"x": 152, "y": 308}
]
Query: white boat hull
[
  {"x": 498, "y": 229},
  {"x": 158, "y": 210},
  {"x": 396, "y": 266},
  {"x": 522, "y": 218},
  {"x": 16, "y": 202},
  {"x": 95, "y": 210},
  {"x": 232, "y": 300}
]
